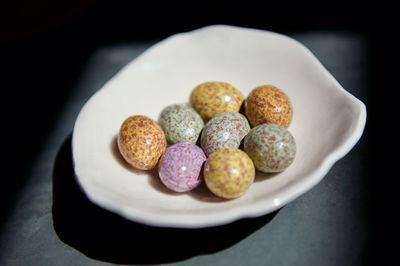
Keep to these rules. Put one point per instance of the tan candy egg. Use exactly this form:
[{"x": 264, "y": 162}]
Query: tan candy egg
[
  {"x": 141, "y": 142},
  {"x": 229, "y": 172},
  {"x": 212, "y": 98}
]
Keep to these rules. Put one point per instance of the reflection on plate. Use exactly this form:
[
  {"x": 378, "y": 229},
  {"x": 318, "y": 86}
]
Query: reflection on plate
[{"x": 327, "y": 123}]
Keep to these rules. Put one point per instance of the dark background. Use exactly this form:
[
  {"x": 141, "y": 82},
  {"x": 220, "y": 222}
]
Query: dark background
[{"x": 45, "y": 43}]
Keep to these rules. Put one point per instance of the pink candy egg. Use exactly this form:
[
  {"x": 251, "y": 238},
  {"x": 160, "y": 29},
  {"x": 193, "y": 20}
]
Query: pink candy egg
[{"x": 180, "y": 166}]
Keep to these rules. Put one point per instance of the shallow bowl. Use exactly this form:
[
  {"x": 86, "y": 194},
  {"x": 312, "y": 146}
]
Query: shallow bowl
[{"x": 328, "y": 121}]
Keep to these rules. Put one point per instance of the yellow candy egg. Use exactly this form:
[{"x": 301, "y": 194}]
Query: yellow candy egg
[
  {"x": 141, "y": 142},
  {"x": 212, "y": 98},
  {"x": 229, "y": 172},
  {"x": 268, "y": 104}
]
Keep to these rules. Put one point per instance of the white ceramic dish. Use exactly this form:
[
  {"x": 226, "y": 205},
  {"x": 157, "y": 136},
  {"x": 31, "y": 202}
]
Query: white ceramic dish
[{"x": 327, "y": 123}]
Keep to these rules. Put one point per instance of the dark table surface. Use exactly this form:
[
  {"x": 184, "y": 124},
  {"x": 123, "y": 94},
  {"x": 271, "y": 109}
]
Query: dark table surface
[{"x": 52, "y": 223}]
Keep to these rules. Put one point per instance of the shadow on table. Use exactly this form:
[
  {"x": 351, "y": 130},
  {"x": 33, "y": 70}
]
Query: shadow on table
[{"x": 102, "y": 235}]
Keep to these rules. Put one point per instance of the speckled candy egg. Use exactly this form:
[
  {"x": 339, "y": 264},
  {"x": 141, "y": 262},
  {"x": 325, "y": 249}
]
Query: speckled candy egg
[
  {"x": 180, "y": 123},
  {"x": 212, "y": 98},
  {"x": 180, "y": 167},
  {"x": 271, "y": 147},
  {"x": 268, "y": 104},
  {"x": 229, "y": 172},
  {"x": 141, "y": 142},
  {"x": 225, "y": 130}
]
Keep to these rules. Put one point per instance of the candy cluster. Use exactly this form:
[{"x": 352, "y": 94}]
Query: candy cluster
[{"x": 220, "y": 137}]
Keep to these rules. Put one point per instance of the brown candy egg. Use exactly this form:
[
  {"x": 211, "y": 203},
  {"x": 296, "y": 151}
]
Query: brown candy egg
[
  {"x": 268, "y": 104},
  {"x": 141, "y": 142}
]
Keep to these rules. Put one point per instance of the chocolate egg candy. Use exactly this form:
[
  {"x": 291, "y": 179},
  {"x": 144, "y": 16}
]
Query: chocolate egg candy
[
  {"x": 228, "y": 173},
  {"x": 141, "y": 142},
  {"x": 180, "y": 167},
  {"x": 271, "y": 147},
  {"x": 212, "y": 98},
  {"x": 225, "y": 130},
  {"x": 180, "y": 123},
  {"x": 268, "y": 104}
]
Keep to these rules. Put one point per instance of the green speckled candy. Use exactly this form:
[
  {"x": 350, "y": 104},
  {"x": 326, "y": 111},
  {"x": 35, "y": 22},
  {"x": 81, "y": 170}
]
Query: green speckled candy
[
  {"x": 180, "y": 123},
  {"x": 225, "y": 130},
  {"x": 271, "y": 147}
]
